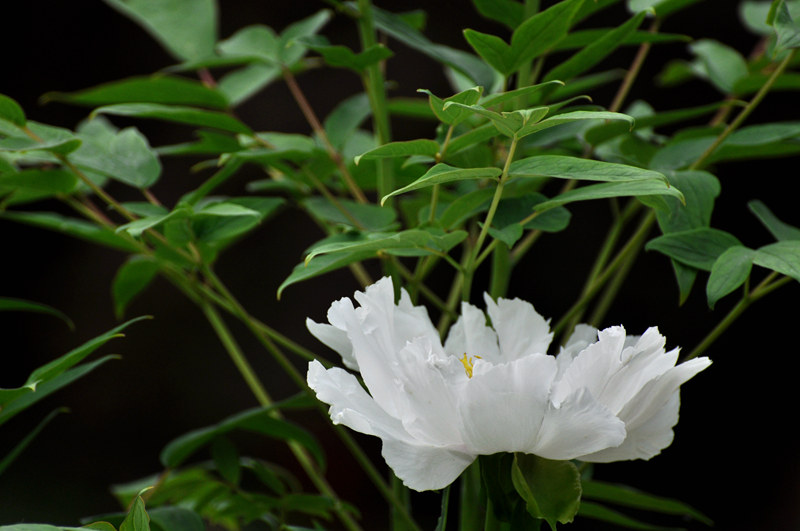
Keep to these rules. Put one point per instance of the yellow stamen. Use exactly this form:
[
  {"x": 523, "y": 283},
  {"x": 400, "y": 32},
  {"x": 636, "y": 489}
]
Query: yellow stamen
[{"x": 468, "y": 363}]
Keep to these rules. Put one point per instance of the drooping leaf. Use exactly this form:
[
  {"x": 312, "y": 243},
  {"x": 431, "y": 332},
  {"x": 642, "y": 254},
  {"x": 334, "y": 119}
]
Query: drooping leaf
[
  {"x": 783, "y": 257},
  {"x": 779, "y": 230},
  {"x": 321, "y": 265},
  {"x": 131, "y": 279},
  {"x": 729, "y": 271},
  {"x": 10, "y": 110},
  {"x": 412, "y": 242},
  {"x": 507, "y": 12},
  {"x": 9, "y": 458},
  {"x": 19, "y": 305},
  {"x": 551, "y": 489},
  {"x": 177, "y": 113},
  {"x": 73, "y": 227},
  {"x": 723, "y": 65},
  {"x": 698, "y": 248},
  {"x": 339, "y": 56},
  {"x": 401, "y": 149},
  {"x": 443, "y": 173},
  {"x": 186, "y": 28},
  {"x": 564, "y": 167},
  {"x": 641, "y": 188}
]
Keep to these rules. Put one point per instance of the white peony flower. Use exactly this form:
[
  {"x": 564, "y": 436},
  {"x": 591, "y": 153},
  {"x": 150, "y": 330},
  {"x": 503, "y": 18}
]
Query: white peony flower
[{"x": 605, "y": 397}]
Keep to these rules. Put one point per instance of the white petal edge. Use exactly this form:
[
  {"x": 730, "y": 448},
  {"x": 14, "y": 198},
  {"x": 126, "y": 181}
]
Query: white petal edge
[{"x": 520, "y": 329}]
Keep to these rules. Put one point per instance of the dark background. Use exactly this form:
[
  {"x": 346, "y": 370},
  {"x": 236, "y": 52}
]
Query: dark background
[{"x": 735, "y": 456}]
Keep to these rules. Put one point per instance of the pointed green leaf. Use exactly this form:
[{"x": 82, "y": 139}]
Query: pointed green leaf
[
  {"x": 19, "y": 305},
  {"x": 540, "y": 32},
  {"x": 186, "y": 28},
  {"x": 291, "y": 48},
  {"x": 20, "y": 447},
  {"x": 370, "y": 217},
  {"x": 322, "y": 264},
  {"x": 698, "y": 248},
  {"x": 256, "y": 42},
  {"x": 241, "y": 84},
  {"x": 179, "y": 114},
  {"x": 10, "y": 110},
  {"x": 49, "y": 182},
  {"x": 454, "y": 115},
  {"x": 343, "y": 57},
  {"x": 401, "y": 149},
  {"x": 345, "y": 119},
  {"x": 145, "y": 89},
  {"x": 137, "y": 227},
  {"x": 443, "y": 173},
  {"x": 729, "y": 271},
  {"x": 780, "y": 230},
  {"x": 45, "y": 138},
  {"x": 478, "y": 135},
  {"x": 551, "y": 489},
  {"x": 507, "y": 12},
  {"x": 642, "y": 189},
  {"x": 131, "y": 279},
  {"x": 493, "y": 50},
  {"x": 564, "y": 167},
  {"x": 496, "y": 99},
  {"x": 575, "y": 116},
  {"x": 226, "y": 459},
  {"x": 412, "y": 240},
  {"x": 222, "y": 221},
  {"x": 125, "y": 156},
  {"x": 783, "y": 257},
  {"x": 137, "y": 518},
  {"x": 724, "y": 65},
  {"x": 783, "y": 17}
]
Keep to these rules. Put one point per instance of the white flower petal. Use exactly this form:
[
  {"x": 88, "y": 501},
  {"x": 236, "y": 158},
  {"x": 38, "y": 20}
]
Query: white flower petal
[
  {"x": 502, "y": 406},
  {"x": 470, "y": 335},
  {"x": 335, "y": 338},
  {"x": 424, "y": 467},
  {"x": 520, "y": 329},
  {"x": 579, "y": 425},
  {"x": 583, "y": 336}
]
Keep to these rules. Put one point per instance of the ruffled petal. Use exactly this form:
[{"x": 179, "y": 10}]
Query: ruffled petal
[
  {"x": 520, "y": 329},
  {"x": 579, "y": 425},
  {"x": 336, "y": 339},
  {"x": 424, "y": 467},
  {"x": 470, "y": 335},
  {"x": 583, "y": 336},
  {"x": 502, "y": 406}
]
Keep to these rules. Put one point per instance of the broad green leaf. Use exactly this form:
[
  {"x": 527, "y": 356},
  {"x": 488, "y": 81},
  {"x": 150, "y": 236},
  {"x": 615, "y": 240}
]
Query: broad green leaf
[
  {"x": 73, "y": 227},
  {"x": 524, "y": 92},
  {"x": 48, "y": 387},
  {"x": 511, "y": 211},
  {"x": 783, "y": 17},
  {"x": 221, "y": 221},
  {"x": 465, "y": 206},
  {"x": 541, "y": 31},
  {"x": 137, "y": 518},
  {"x": 641, "y": 189},
  {"x": 753, "y": 15},
  {"x": 343, "y": 57},
  {"x": 369, "y": 217},
  {"x": 412, "y": 242},
  {"x": 782, "y": 257},
  {"x": 9, "y": 395},
  {"x": 699, "y": 189},
  {"x": 226, "y": 459},
  {"x": 469, "y": 65},
  {"x": 179, "y": 114},
  {"x": 443, "y": 173},
  {"x": 401, "y": 149},
  {"x": 780, "y": 230},
  {"x": 512, "y": 124},
  {"x": 551, "y": 489},
  {"x": 45, "y": 138},
  {"x": 724, "y": 65},
  {"x": 209, "y": 143},
  {"x": 574, "y": 116},
  {"x": 176, "y": 519},
  {"x": 507, "y": 12},
  {"x": 454, "y": 115},
  {"x": 258, "y": 420},
  {"x": 595, "y": 52},
  {"x": 131, "y": 279},
  {"x": 46, "y": 182},
  {"x": 19, "y": 305},
  {"x": 476, "y": 136},
  {"x": 9, "y": 458},
  {"x": 186, "y": 28},
  {"x": 628, "y": 497},
  {"x": 256, "y": 42},
  {"x": 497, "y": 482},
  {"x": 125, "y": 156},
  {"x": 321, "y": 265},
  {"x": 564, "y": 167},
  {"x": 493, "y": 50},
  {"x": 290, "y": 47},
  {"x": 149, "y": 89},
  {"x": 10, "y": 110},
  {"x": 729, "y": 271},
  {"x": 345, "y": 118},
  {"x": 241, "y": 84},
  {"x": 137, "y": 227},
  {"x": 604, "y": 514},
  {"x": 698, "y": 248}
]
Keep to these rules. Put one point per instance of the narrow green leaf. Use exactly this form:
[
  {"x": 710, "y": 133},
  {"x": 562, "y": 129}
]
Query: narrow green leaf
[
  {"x": 541, "y": 31},
  {"x": 443, "y": 173},
  {"x": 137, "y": 227},
  {"x": 131, "y": 279},
  {"x": 179, "y": 114},
  {"x": 320, "y": 265},
  {"x": 256, "y": 42},
  {"x": 72, "y": 227},
  {"x": 411, "y": 240},
  {"x": 595, "y": 52},
  {"x": 662, "y": 8},
  {"x": 780, "y": 230},
  {"x": 782, "y": 257},
  {"x": 145, "y": 89},
  {"x": 698, "y": 248},
  {"x": 496, "y": 99},
  {"x": 575, "y": 116},
  {"x": 241, "y": 84},
  {"x": 641, "y": 189},
  {"x": 401, "y": 149},
  {"x": 454, "y": 115},
  {"x": 343, "y": 57},
  {"x": 186, "y": 28},
  {"x": 9, "y": 458},
  {"x": 10, "y": 110},
  {"x": 551, "y": 489},
  {"x": 226, "y": 459},
  {"x": 493, "y": 50},
  {"x": 291, "y": 48},
  {"x": 564, "y": 167},
  {"x": 19, "y": 305},
  {"x": 48, "y": 138},
  {"x": 628, "y": 497},
  {"x": 604, "y": 514},
  {"x": 466, "y": 206},
  {"x": 50, "y": 182},
  {"x": 476, "y": 136},
  {"x": 220, "y": 222},
  {"x": 729, "y": 271},
  {"x": 507, "y": 12},
  {"x": 137, "y": 518}
]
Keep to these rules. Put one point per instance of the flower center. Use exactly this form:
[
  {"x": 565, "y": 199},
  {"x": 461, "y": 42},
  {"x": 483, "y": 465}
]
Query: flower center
[{"x": 468, "y": 362}]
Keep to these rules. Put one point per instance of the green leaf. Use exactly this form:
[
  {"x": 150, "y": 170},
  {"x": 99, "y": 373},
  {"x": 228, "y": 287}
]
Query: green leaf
[
  {"x": 782, "y": 257},
  {"x": 145, "y": 89},
  {"x": 541, "y": 31},
  {"x": 699, "y": 189},
  {"x": 370, "y": 217},
  {"x": 258, "y": 420},
  {"x": 784, "y": 20},
  {"x": 723, "y": 65},
  {"x": 125, "y": 156},
  {"x": 49, "y": 182},
  {"x": 496, "y": 99},
  {"x": 507, "y": 12},
  {"x": 551, "y": 489},
  {"x": 137, "y": 227},
  {"x": 443, "y": 173},
  {"x": 209, "y": 143},
  {"x": 564, "y": 167},
  {"x": 291, "y": 48},
  {"x": 407, "y": 243},
  {"x": 10, "y": 110},
  {"x": 222, "y": 221},
  {"x": 454, "y": 115},
  {"x": 73, "y": 227},
  {"x": 579, "y": 39},
  {"x": 48, "y": 138},
  {"x": 595, "y": 52},
  {"x": 753, "y": 15},
  {"x": 780, "y": 231},
  {"x": 241, "y": 84},
  {"x": 401, "y": 149},
  {"x": 574, "y": 116},
  {"x": 179, "y": 114},
  {"x": 226, "y": 459},
  {"x": 511, "y": 211},
  {"x": 137, "y": 518},
  {"x": 512, "y": 124},
  {"x": 465, "y": 63},
  {"x": 131, "y": 279},
  {"x": 176, "y": 519},
  {"x": 640, "y": 189},
  {"x": 345, "y": 119},
  {"x": 186, "y": 28},
  {"x": 493, "y": 50},
  {"x": 604, "y": 514},
  {"x": 256, "y": 42},
  {"x": 729, "y": 271},
  {"x": 698, "y": 248},
  {"x": 498, "y": 485},
  {"x": 19, "y": 305},
  {"x": 9, "y": 458},
  {"x": 662, "y": 7},
  {"x": 322, "y": 264},
  {"x": 628, "y": 497},
  {"x": 343, "y": 57},
  {"x": 476, "y": 136}
]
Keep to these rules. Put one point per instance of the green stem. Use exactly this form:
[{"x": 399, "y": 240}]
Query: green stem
[
  {"x": 501, "y": 271},
  {"x": 471, "y": 512}
]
